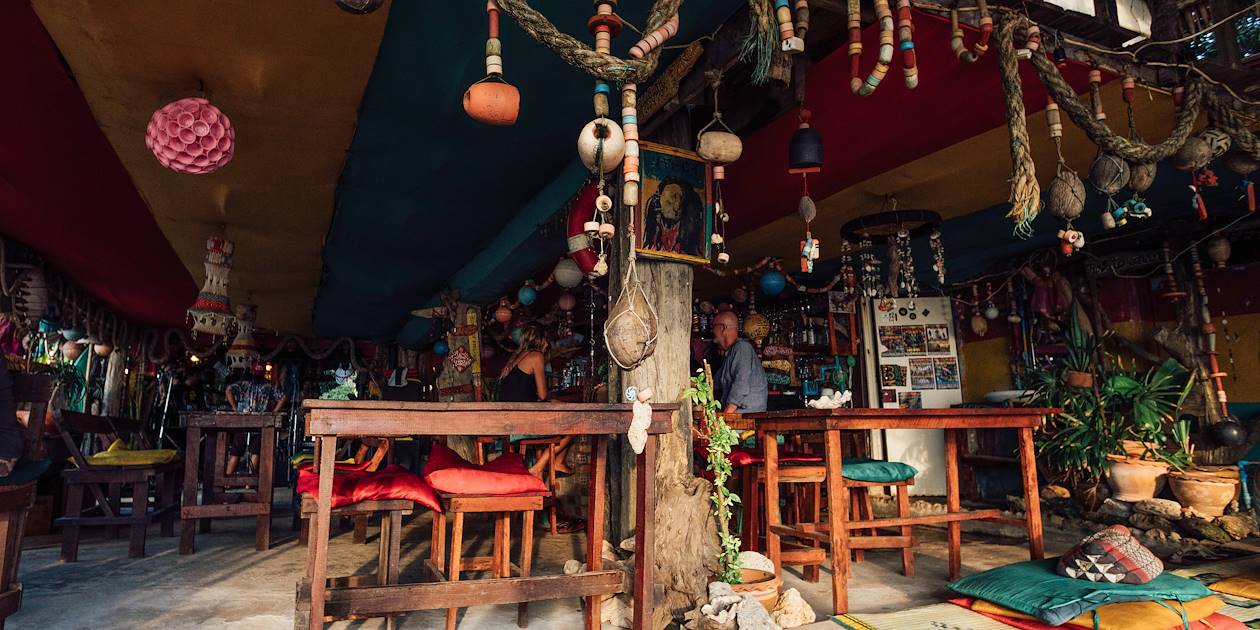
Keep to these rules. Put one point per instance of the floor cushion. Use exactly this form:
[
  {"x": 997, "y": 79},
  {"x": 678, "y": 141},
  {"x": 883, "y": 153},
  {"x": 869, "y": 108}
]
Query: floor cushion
[
  {"x": 1244, "y": 586},
  {"x": 1111, "y": 555},
  {"x": 877, "y": 471},
  {"x": 506, "y": 474},
  {"x": 119, "y": 455},
  {"x": 1214, "y": 621},
  {"x": 26, "y": 472},
  {"x": 1033, "y": 588},
  {"x": 1127, "y": 615},
  {"x": 391, "y": 482}
]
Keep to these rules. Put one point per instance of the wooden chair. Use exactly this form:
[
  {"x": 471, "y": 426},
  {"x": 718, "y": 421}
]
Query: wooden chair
[
  {"x": 375, "y": 452},
  {"x": 498, "y": 563},
  {"x": 549, "y": 444},
  {"x": 103, "y": 485},
  {"x": 17, "y": 494}
]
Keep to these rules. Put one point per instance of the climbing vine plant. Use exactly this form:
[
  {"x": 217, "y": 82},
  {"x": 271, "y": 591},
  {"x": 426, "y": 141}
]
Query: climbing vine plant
[{"x": 721, "y": 438}]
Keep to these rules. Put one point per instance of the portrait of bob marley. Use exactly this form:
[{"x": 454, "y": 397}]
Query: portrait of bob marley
[{"x": 673, "y": 219}]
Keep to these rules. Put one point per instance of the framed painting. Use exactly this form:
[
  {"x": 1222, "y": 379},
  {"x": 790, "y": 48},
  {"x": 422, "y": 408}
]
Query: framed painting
[{"x": 673, "y": 221}]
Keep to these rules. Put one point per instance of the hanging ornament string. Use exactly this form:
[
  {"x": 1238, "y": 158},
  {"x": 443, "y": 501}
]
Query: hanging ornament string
[
  {"x": 883, "y": 61},
  {"x": 956, "y": 38}
]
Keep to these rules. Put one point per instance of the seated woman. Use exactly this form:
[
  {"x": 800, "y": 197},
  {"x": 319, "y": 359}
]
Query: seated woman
[{"x": 524, "y": 379}]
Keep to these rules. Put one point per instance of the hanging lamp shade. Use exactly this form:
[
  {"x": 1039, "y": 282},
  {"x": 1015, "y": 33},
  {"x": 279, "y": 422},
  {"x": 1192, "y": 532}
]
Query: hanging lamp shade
[
  {"x": 191, "y": 136},
  {"x": 212, "y": 312},
  {"x": 244, "y": 351},
  {"x": 805, "y": 149}
]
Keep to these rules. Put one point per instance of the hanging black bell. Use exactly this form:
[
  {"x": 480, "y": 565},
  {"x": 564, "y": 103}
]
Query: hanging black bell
[
  {"x": 805, "y": 150},
  {"x": 1228, "y": 433}
]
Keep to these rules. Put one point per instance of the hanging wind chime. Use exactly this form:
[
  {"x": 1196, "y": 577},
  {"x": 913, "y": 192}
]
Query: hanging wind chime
[
  {"x": 805, "y": 156},
  {"x": 905, "y": 260},
  {"x": 1109, "y": 174},
  {"x": 871, "y": 285},
  {"x": 718, "y": 146},
  {"x": 602, "y": 144},
  {"x": 905, "y": 34},
  {"x": 493, "y": 100},
  {"x": 956, "y": 34},
  {"x": 938, "y": 256},
  {"x": 847, "y": 271},
  {"x": 1066, "y": 199}
]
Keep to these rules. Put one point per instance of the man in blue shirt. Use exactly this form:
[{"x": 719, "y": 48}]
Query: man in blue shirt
[{"x": 741, "y": 382}]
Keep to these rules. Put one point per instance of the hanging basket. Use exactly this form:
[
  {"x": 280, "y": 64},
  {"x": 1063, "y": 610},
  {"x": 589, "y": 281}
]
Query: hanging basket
[{"x": 630, "y": 332}]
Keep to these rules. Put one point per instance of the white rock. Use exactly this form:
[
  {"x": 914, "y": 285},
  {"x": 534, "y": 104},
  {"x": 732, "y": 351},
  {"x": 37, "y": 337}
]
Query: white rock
[
  {"x": 754, "y": 560},
  {"x": 609, "y": 552},
  {"x": 573, "y": 566},
  {"x": 754, "y": 616},
  {"x": 792, "y": 610},
  {"x": 618, "y": 611},
  {"x": 627, "y": 544}
]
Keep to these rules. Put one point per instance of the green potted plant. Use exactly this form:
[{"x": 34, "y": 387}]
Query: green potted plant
[{"x": 762, "y": 585}]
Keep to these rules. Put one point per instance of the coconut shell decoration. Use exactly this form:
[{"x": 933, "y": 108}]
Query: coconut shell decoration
[
  {"x": 719, "y": 147},
  {"x": 1141, "y": 176},
  {"x": 1192, "y": 156},
  {"x": 1218, "y": 141},
  {"x": 1240, "y": 162},
  {"x": 630, "y": 332},
  {"x": 1109, "y": 174},
  {"x": 1067, "y": 196}
]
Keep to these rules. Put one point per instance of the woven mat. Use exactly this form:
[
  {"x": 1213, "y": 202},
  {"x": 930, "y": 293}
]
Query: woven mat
[{"x": 932, "y": 617}]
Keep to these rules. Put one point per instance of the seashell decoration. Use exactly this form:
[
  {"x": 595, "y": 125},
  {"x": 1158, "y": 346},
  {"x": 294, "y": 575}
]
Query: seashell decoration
[
  {"x": 614, "y": 144},
  {"x": 191, "y": 136},
  {"x": 807, "y": 209},
  {"x": 1109, "y": 174},
  {"x": 1141, "y": 176},
  {"x": 1192, "y": 156},
  {"x": 1066, "y": 196}
]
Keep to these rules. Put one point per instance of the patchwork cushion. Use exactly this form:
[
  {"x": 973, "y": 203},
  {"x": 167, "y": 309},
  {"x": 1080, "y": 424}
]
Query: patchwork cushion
[
  {"x": 877, "y": 471},
  {"x": 1033, "y": 588},
  {"x": 1111, "y": 555},
  {"x": 506, "y": 474},
  {"x": 353, "y": 486},
  {"x": 119, "y": 455}
]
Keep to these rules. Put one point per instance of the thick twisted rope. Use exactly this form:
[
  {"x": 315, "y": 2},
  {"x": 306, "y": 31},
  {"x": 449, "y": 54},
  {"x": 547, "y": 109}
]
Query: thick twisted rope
[
  {"x": 1226, "y": 120},
  {"x": 1025, "y": 191},
  {"x": 580, "y": 55}
]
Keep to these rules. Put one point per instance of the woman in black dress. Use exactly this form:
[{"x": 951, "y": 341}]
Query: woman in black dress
[{"x": 524, "y": 379}]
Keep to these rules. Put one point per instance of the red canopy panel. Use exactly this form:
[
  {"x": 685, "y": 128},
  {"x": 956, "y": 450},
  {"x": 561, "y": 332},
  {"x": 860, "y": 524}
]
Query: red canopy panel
[
  {"x": 864, "y": 136},
  {"x": 63, "y": 191}
]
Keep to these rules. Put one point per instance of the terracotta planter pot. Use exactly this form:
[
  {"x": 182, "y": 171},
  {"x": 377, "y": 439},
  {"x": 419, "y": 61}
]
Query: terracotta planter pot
[
  {"x": 1205, "y": 493},
  {"x": 1135, "y": 479},
  {"x": 493, "y": 102},
  {"x": 764, "y": 587},
  {"x": 1082, "y": 380}
]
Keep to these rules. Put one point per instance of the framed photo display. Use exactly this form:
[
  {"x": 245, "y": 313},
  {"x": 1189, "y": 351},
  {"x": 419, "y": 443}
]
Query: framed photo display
[{"x": 674, "y": 220}]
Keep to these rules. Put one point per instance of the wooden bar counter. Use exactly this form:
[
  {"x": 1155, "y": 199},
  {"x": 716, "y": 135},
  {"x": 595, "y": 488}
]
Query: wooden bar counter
[
  {"x": 831, "y": 422},
  {"x": 328, "y": 420}
]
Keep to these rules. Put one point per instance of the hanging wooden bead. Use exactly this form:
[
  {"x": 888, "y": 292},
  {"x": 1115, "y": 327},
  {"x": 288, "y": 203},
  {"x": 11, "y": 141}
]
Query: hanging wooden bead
[
  {"x": 654, "y": 39},
  {"x": 905, "y": 43},
  {"x": 1032, "y": 43},
  {"x": 883, "y": 61},
  {"x": 1095, "y": 94},
  {"x": 956, "y": 35},
  {"x": 630, "y": 128},
  {"x": 789, "y": 42}
]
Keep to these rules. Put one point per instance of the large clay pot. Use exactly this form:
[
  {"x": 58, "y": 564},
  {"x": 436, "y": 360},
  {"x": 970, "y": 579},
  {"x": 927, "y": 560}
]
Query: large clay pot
[
  {"x": 493, "y": 102},
  {"x": 1135, "y": 479},
  {"x": 763, "y": 586},
  {"x": 1206, "y": 493}
]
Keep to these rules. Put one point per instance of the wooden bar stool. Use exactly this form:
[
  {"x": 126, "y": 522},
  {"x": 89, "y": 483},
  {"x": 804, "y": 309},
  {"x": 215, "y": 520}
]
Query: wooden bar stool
[
  {"x": 256, "y": 502},
  {"x": 370, "y": 456},
  {"x": 498, "y": 563},
  {"x": 549, "y": 444}
]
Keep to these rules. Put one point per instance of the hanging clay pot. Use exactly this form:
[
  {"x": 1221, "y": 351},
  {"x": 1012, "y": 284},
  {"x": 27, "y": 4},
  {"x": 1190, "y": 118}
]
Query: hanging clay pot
[
  {"x": 720, "y": 147},
  {"x": 493, "y": 101},
  {"x": 1218, "y": 251},
  {"x": 1240, "y": 162},
  {"x": 70, "y": 350},
  {"x": 1141, "y": 176},
  {"x": 807, "y": 209},
  {"x": 614, "y": 144},
  {"x": 1067, "y": 196},
  {"x": 566, "y": 301},
  {"x": 102, "y": 349},
  {"x": 1192, "y": 156},
  {"x": 1216, "y": 140},
  {"x": 1109, "y": 174}
]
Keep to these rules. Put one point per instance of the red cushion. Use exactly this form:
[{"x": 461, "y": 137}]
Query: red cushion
[
  {"x": 743, "y": 456},
  {"x": 447, "y": 472},
  {"x": 353, "y": 486}
]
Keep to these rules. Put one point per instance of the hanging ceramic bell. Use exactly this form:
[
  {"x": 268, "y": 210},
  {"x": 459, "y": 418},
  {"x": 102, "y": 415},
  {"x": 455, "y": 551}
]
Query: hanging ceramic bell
[
  {"x": 614, "y": 144},
  {"x": 805, "y": 149}
]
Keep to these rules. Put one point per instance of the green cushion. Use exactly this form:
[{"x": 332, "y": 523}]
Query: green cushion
[
  {"x": 1033, "y": 588},
  {"x": 877, "y": 471},
  {"x": 26, "y": 472}
]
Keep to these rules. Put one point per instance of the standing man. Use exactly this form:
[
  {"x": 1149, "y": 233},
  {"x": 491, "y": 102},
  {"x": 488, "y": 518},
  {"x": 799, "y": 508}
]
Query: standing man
[
  {"x": 741, "y": 382},
  {"x": 251, "y": 394}
]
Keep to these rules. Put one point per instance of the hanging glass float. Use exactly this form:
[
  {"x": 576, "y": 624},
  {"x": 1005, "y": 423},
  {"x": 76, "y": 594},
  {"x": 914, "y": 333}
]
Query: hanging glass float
[
  {"x": 441, "y": 347},
  {"x": 244, "y": 351},
  {"x": 567, "y": 273},
  {"x": 566, "y": 302},
  {"x": 212, "y": 312},
  {"x": 191, "y": 136},
  {"x": 772, "y": 282},
  {"x": 527, "y": 294},
  {"x": 503, "y": 313},
  {"x": 493, "y": 100}
]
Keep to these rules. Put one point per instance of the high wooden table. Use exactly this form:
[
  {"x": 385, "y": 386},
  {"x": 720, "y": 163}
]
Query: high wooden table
[
  {"x": 327, "y": 420},
  {"x": 218, "y": 428},
  {"x": 831, "y": 422}
]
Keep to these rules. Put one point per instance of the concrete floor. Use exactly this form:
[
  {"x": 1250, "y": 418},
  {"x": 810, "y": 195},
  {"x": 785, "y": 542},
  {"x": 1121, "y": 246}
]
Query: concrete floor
[{"x": 226, "y": 584}]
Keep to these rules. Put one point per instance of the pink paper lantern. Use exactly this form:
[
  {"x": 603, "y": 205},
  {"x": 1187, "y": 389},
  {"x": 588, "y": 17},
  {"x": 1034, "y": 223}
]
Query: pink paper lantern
[{"x": 191, "y": 136}]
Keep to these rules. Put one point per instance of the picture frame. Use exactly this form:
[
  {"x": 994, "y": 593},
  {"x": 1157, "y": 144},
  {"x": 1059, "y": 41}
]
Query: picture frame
[{"x": 674, "y": 182}]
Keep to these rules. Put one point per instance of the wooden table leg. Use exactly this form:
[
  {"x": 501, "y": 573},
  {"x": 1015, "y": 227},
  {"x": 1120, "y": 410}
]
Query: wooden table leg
[
  {"x": 644, "y": 533},
  {"x": 188, "y": 526},
  {"x": 319, "y": 530},
  {"x": 838, "y": 515},
  {"x": 770, "y": 447},
  {"x": 952, "y": 503},
  {"x": 1032, "y": 497},
  {"x": 266, "y": 463},
  {"x": 595, "y": 522}
]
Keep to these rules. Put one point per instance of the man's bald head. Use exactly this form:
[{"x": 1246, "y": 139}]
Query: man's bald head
[{"x": 725, "y": 329}]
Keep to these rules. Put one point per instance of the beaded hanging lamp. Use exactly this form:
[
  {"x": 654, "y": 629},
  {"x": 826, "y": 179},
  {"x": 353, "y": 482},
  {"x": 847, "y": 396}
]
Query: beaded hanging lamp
[
  {"x": 244, "y": 351},
  {"x": 191, "y": 136},
  {"x": 212, "y": 312}
]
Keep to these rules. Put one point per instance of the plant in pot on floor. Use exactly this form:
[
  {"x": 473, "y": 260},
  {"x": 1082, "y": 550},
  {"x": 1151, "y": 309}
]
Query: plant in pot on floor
[
  {"x": 1207, "y": 490},
  {"x": 762, "y": 585}
]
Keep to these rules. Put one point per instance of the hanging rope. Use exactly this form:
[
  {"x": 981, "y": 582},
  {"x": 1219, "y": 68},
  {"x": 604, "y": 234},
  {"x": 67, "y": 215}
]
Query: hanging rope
[
  {"x": 1227, "y": 120},
  {"x": 580, "y": 55},
  {"x": 1025, "y": 191},
  {"x": 760, "y": 44}
]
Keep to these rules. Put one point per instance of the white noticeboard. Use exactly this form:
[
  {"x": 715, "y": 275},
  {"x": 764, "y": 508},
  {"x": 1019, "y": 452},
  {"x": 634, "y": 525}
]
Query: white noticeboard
[{"x": 917, "y": 367}]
